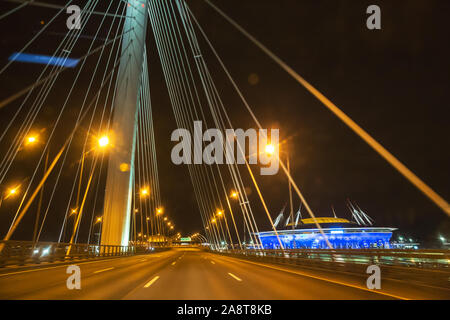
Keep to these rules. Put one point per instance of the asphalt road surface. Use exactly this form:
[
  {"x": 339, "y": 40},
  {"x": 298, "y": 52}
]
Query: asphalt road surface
[{"x": 190, "y": 273}]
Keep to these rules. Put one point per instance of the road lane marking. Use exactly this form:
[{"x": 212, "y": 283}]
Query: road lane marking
[
  {"x": 213, "y": 262},
  {"x": 238, "y": 279},
  {"x": 144, "y": 260},
  {"x": 66, "y": 264},
  {"x": 103, "y": 270},
  {"x": 61, "y": 266},
  {"x": 151, "y": 282},
  {"x": 173, "y": 263},
  {"x": 323, "y": 279}
]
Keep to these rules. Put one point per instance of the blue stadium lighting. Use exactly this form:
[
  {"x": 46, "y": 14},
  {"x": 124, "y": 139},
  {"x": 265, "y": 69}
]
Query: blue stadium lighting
[
  {"x": 341, "y": 233},
  {"x": 42, "y": 59}
]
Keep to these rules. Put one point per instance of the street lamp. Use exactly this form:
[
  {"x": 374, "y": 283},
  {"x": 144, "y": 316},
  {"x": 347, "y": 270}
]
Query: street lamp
[
  {"x": 159, "y": 211},
  {"x": 270, "y": 149},
  {"x": 10, "y": 193},
  {"x": 103, "y": 142},
  {"x": 30, "y": 140},
  {"x": 234, "y": 195},
  {"x": 144, "y": 192},
  {"x": 99, "y": 219}
]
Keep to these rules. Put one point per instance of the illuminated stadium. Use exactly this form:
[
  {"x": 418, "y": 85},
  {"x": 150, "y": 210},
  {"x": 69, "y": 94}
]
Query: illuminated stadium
[{"x": 341, "y": 233}]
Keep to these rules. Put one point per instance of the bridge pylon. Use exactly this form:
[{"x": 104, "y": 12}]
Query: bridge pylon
[{"x": 123, "y": 130}]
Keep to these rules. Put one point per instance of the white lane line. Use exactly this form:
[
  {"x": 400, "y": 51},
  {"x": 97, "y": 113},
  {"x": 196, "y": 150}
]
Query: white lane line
[
  {"x": 55, "y": 267},
  {"x": 320, "y": 278},
  {"x": 103, "y": 270},
  {"x": 144, "y": 260},
  {"x": 238, "y": 279},
  {"x": 151, "y": 282},
  {"x": 173, "y": 263},
  {"x": 213, "y": 262}
]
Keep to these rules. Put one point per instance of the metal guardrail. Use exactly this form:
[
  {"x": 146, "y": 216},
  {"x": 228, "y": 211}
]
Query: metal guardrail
[
  {"x": 429, "y": 267},
  {"x": 430, "y": 259},
  {"x": 26, "y": 252}
]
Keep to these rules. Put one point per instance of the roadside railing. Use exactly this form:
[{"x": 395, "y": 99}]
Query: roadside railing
[
  {"x": 26, "y": 252},
  {"x": 430, "y": 267},
  {"x": 430, "y": 259}
]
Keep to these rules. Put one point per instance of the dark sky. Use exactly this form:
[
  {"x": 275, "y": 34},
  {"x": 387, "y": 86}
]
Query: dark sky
[{"x": 393, "y": 82}]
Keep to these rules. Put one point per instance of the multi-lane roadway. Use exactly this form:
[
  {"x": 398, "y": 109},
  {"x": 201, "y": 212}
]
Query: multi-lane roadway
[{"x": 190, "y": 273}]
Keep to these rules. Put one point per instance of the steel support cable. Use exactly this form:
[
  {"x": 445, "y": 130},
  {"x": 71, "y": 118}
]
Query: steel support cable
[
  {"x": 146, "y": 151},
  {"x": 14, "y": 10},
  {"x": 259, "y": 125},
  {"x": 202, "y": 182},
  {"x": 112, "y": 103},
  {"x": 207, "y": 84},
  {"x": 170, "y": 14},
  {"x": 198, "y": 53},
  {"x": 28, "y": 88},
  {"x": 90, "y": 85},
  {"x": 43, "y": 180},
  {"x": 103, "y": 112},
  {"x": 80, "y": 214},
  {"x": 161, "y": 48},
  {"x": 90, "y": 125},
  {"x": 143, "y": 167},
  {"x": 179, "y": 58},
  {"x": 215, "y": 95},
  {"x": 366, "y": 137},
  {"x": 17, "y": 140},
  {"x": 151, "y": 138},
  {"x": 29, "y": 119},
  {"x": 55, "y": 6},
  {"x": 64, "y": 159},
  {"x": 210, "y": 80},
  {"x": 40, "y": 161},
  {"x": 175, "y": 40}
]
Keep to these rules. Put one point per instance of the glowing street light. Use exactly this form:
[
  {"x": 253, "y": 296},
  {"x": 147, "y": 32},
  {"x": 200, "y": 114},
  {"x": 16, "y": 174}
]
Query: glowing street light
[
  {"x": 103, "y": 142},
  {"x": 219, "y": 213},
  {"x": 159, "y": 211},
  {"x": 270, "y": 149},
  {"x": 12, "y": 192},
  {"x": 213, "y": 220},
  {"x": 165, "y": 218},
  {"x": 171, "y": 228},
  {"x": 99, "y": 219},
  {"x": 31, "y": 140},
  {"x": 74, "y": 211},
  {"x": 234, "y": 195},
  {"x": 144, "y": 192}
]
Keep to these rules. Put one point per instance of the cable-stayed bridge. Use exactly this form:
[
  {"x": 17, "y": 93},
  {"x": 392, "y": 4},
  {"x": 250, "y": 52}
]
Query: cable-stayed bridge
[{"x": 92, "y": 196}]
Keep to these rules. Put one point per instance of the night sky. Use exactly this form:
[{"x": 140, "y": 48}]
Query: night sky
[{"x": 393, "y": 82}]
